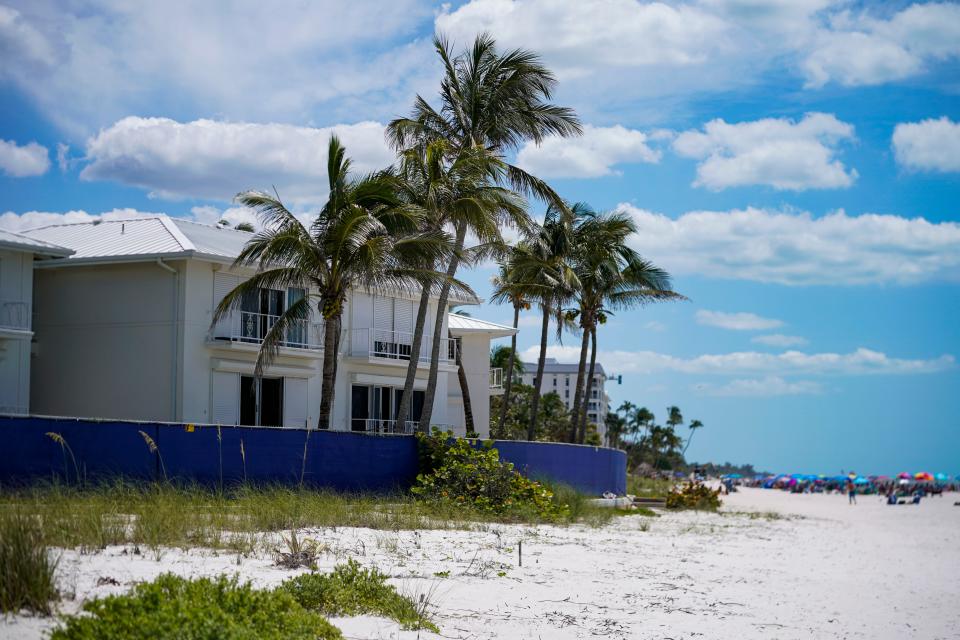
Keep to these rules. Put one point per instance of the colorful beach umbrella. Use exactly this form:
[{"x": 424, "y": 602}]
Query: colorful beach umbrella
[
  {"x": 923, "y": 476},
  {"x": 903, "y": 475},
  {"x": 941, "y": 477}
]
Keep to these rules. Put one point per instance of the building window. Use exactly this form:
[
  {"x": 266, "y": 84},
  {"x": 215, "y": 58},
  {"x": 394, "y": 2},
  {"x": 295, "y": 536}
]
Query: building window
[
  {"x": 567, "y": 381},
  {"x": 372, "y": 408},
  {"x": 261, "y": 401}
]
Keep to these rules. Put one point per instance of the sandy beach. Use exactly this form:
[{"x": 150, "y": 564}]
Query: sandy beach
[{"x": 769, "y": 565}]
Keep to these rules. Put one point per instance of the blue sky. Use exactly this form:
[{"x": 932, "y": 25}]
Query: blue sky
[{"x": 795, "y": 164}]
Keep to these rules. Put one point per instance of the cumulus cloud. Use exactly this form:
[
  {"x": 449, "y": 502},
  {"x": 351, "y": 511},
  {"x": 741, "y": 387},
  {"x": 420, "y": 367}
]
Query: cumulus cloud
[
  {"x": 591, "y": 155},
  {"x": 779, "y": 340},
  {"x": 88, "y": 64},
  {"x": 778, "y": 152},
  {"x": 759, "y": 387},
  {"x": 31, "y": 159},
  {"x": 736, "y": 321},
  {"x": 928, "y": 145},
  {"x": 859, "y": 362},
  {"x": 215, "y": 159},
  {"x": 799, "y": 249},
  {"x": 859, "y": 49}
]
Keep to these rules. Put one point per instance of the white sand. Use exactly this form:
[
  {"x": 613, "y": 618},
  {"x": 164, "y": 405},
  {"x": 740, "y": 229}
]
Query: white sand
[{"x": 825, "y": 570}]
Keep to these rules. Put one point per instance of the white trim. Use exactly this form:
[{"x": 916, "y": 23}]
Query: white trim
[
  {"x": 385, "y": 381},
  {"x": 246, "y": 368}
]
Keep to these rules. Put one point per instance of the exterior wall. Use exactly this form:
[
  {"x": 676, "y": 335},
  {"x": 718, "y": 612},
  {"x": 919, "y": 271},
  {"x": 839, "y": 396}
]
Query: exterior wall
[
  {"x": 476, "y": 365},
  {"x": 16, "y": 294},
  {"x": 105, "y": 342}
]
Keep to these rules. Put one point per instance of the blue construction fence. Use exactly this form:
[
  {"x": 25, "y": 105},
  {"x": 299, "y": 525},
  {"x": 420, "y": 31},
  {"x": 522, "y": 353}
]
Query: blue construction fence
[{"x": 342, "y": 461}]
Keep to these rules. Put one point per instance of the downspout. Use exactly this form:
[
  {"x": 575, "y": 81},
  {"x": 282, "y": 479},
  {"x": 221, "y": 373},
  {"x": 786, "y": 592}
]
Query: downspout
[{"x": 175, "y": 337}]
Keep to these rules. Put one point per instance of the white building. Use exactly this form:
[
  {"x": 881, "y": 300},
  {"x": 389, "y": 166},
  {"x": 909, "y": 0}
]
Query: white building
[
  {"x": 561, "y": 379},
  {"x": 124, "y": 331},
  {"x": 18, "y": 254}
]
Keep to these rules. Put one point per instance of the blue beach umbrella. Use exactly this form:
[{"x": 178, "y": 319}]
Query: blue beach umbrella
[{"x": 941, "y": 477}]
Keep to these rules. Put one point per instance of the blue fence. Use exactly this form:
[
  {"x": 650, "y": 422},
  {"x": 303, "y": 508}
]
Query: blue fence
[{"x": 200, "y": 453}]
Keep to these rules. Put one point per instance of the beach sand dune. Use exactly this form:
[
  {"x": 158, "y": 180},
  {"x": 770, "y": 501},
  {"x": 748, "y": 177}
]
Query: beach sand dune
[{"x": 770, "y": 565}]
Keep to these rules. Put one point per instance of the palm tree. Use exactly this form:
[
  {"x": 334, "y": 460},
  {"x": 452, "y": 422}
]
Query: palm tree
[
  {"x": 694, "y": 425},
  {"x": 506, "y": 289},
  {"x": 455, "y": 193},
  {"x": 490, "y": 103},
  {"x": 612, "y": 277},
  {"x": 541, "y": 265},
  {"x": 361, "y": 237}
]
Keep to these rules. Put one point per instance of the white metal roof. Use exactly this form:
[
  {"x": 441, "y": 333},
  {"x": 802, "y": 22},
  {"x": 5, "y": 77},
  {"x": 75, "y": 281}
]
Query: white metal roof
[
  {"x": 462, "y": 325},
  {"x": 18, "y": 242}
]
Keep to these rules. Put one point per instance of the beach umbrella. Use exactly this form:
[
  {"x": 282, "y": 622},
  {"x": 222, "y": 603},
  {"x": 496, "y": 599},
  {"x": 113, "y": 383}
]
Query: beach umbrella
[
  {"x": 903, "y": 475},
  {"x": 941, "y": 477},
  {"x": 923, "y": 476},
  {"x": 861, "y": 480},
  {"x": 734, "y": 476},
  {"x": 882, "y": 478}
]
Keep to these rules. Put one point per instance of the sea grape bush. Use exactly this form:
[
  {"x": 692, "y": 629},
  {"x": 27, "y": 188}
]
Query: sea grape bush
[
  {"x": 462, "y": 472},
  {"x": 693, "y": 495}
]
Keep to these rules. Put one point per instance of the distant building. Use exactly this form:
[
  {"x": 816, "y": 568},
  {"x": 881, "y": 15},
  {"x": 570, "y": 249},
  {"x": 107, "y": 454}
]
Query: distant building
[{"x": 561, "y": 378}]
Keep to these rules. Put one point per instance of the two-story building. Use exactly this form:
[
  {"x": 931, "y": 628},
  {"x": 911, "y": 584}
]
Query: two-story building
[
  {"x": 561, "y": 378},
  {"x": 18, "y": 254},
  {"x": 125, "y": 331}
]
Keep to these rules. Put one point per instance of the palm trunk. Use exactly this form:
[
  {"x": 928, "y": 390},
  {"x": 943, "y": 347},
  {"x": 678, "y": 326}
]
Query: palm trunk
[
  {"x": 438, "y": 330},
  {"x": 578, "y": 394},
  {"x": 465, "y": 393},
  {"x": 586, "y": 402},
  {"x": 404, "y": 409},
  {"x": 331, "y": 347},
  {"x": 684, "y": 452},
  {"x": 538, "y": 381},
  {"x": 505, "y": 400}
]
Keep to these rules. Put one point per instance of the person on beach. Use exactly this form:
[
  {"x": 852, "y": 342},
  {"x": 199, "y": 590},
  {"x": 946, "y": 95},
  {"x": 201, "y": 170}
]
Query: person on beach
[{"x": 851, "y": 492}]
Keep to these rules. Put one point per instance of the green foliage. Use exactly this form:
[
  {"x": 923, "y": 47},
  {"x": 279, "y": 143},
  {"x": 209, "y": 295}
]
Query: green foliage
[
  {"x": 202, "y": 609},
  {"x": 553, "y": 418},
  {"x": 26, "y": 570},
  {"x": 694, "y": 495},
  {"x": 352, "y": 590},
  {"x": 454, "y": 471}
]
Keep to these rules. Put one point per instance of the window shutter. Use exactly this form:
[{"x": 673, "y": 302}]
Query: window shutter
[
  {"x": 226, "y": 397},
  {"x": 383, "y": 313},
  {"x": 403, "y": 316},
  {"x": 295, "y": 402}
]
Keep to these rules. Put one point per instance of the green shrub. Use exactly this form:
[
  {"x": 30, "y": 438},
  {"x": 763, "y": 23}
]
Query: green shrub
[
  {"x": 455, "y": 471},
  {"x": 203, "y": 609},
  {"x": 352, "y": 590},
  {"x": 693, "y": 495},
  {"x": 26, "y": 570}
]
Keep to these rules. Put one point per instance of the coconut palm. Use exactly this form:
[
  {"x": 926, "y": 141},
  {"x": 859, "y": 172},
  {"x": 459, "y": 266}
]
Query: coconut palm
[
  {"x": 507, "y": 289},
  {"x": 694, "y": 425},
  {"x": 490, "y": 103},
  {"x": 453, "y": 193},
  {"x": 361, "y": 237}
]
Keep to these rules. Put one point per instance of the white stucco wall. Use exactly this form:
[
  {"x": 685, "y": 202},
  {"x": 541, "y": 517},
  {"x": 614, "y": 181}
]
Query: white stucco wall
[{"x": 16, "y": 290}]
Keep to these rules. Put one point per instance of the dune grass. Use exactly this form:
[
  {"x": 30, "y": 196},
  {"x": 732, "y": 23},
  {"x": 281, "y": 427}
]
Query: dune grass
[{"x": 26, "y": 567}]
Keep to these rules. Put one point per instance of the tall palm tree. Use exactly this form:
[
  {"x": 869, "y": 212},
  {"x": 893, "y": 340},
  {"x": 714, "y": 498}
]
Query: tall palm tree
[
  {"x": 453, "y": 193},
  {"x": 694, "y": 425},
  {"x": 507, "y": 289},
  {"x": 361, "y": 237},
  {"x": 612, "y": 277},
  {"x": 489, "y": 102}
]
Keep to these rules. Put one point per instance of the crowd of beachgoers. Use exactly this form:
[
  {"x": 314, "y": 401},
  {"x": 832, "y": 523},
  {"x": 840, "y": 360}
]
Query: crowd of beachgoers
[{"x": 904, "y": 485}]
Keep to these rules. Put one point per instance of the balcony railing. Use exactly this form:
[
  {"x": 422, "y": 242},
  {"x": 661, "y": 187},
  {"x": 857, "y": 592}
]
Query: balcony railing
[
  {"x": 15, "y": 314},
  {"x": 496, "y": 378},
  {"x": 252, "y": 328},
  {"x": 396, "y": 345},
  {"x": 376, "y": 425}
]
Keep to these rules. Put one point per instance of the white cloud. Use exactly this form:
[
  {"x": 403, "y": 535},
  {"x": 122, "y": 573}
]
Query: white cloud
[
  {"x": 31, "y": 159},
  {"x": 63, "y": 156},
  {"x": 736, "y": 321},
  {"x": 859, "y": 362},
  {"x": 654, "y": 325},
  {"x": 760, "y": 387},
  {"x": 87, "y": 64},
  {"x": 591, "y": 155},
  {"x": 778, "y": 152},
  {"x": 530, "y": 320},
  {"x": 858, "y": 49},
  {"x": 779, "y": 340},
  {"x": 798, "y": 249},
  {"x": 928, "y": 145},
  {"x": 215, "y": 159}
]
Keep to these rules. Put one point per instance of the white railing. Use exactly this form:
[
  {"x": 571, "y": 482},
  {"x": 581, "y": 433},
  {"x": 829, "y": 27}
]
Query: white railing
[
  {"x": 246, "y": 326},
  {"x": 396, "y": 345},
  {"x": 15, "y": 314},
  {"x": 496, "y": 378},
  {"x": 376, "y": 425}
]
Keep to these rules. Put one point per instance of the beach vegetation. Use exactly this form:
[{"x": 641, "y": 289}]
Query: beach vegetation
[
  {"x": 693, "y": 495},
  {"x": 26, "y": 565}
]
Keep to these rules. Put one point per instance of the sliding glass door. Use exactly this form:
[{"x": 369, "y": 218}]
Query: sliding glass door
[{"x": 261, "y": 401}]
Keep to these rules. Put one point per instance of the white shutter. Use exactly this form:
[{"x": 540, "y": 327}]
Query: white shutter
[
  {"x": 225, "y": 388},
  {"x": 383, "y": 313},
  {"x": 223, "y": 283},
  {"x": 360, "y": 305},
  {"x": 294, "y": 402},
  {"x": 403, "y": 315}
]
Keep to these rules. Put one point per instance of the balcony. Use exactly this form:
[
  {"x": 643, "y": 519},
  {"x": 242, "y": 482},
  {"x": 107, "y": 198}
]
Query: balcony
[
  {"x": 14, "y": 315},
  {"x": 246, "y": 327},
  {"x": 382, "y": 427},
  {"x": 383, "y": 345}
]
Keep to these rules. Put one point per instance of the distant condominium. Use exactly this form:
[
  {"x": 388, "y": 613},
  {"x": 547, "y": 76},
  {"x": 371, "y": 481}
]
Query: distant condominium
[{"x": 561, "y": 378}]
